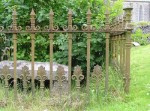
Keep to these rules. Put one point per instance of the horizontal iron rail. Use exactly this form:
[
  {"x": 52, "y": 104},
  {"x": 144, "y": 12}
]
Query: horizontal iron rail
[{"x": 112, "y": 32}]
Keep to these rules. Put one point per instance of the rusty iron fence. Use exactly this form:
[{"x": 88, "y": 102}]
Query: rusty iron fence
[{"x": 118, "y": 45}]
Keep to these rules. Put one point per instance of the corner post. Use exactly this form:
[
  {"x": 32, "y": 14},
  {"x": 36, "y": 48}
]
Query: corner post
[
  {"x": 128, "y": 47},
  {"x": 107, "y": 29}
]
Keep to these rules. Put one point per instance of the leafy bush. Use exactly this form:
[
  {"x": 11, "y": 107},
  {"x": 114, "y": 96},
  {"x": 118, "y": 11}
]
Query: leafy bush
[
  {"x": 4, "y": 44},
  {"x": 60, "y": 8},
  {"x": 140, "y": 24},
  {"x": 140, "y": 37}
]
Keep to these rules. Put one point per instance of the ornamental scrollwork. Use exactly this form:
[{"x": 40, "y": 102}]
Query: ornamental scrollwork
[
  {"x": 5, "y": 73},
  {"x": 75, "y": 27},
  {"x": 25, "y": 76},
  {"x": 78, "y": 76},
  {"x": 60, "y": 77},
  {"x": 41, "y": 74},
  {"x": 84, "y": 27},
  {"x": 1, "y": 28},
  {"x": 97, "y": 72}
]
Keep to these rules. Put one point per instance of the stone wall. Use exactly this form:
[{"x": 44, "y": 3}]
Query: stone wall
[{"x": 141, "y": 10}]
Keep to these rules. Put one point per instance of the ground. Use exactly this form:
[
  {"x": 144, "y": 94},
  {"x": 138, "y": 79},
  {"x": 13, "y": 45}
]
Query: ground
[
  {"x": 137, "y": 100},
  {"x": 139, "y": 97}
]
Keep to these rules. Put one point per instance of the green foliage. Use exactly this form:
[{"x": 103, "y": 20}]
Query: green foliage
[
  {"x": 116, "y": 9},
  {"x": 4, "y": 42},
  {"x": 140, "y": 37},
  {"x": 60, "y": 8},
  {"x": 140, "y": 24}
]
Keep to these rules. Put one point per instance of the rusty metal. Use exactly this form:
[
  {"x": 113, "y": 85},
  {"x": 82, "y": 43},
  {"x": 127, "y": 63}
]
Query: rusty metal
[
  {"x": 32, "y": 28},
  {"x": 124, "y": 54},
  {"x": 117, "y": 50},
  {"x": 78, "y": 77},
  {"x": 117, "y": 34},
  {"x": 14, "y": 28},
  {"x": 121, "y": 52},
  {"x": 88, "y": 49},
  {"x": 113, "y": 49},
  {"x": 118, "y": 24},
  {"x": 41, "y": 76},
  {"x": 51, "y": 37},
  {"x": 107, "y": 27},
  {"x": 97, "y": 74},
  {"x": 121, "y": 22},
  {"x": 124, "y": 51},
  {"x": 69, "y": 49},
  {"x": 119, "y": 41},
  {"x": 62, "y": 31},
  {"x": 128, "y": 29},
  {"x": 60, "y": 77},
  {"x": 6, "y": 76},
  {"x": 25, "y": 77}
]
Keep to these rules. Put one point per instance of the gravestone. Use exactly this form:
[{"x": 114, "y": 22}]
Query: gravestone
[{"x": 22, "y": 63}]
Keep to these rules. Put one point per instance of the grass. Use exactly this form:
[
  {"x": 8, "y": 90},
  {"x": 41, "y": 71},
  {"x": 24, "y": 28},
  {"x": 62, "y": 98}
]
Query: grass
[
  {"x": 137, "y": 100},
  {"x": 139, "y": 97}
]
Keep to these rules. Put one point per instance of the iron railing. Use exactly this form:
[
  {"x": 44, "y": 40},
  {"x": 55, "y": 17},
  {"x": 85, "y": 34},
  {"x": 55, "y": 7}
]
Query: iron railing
[{"x": 118, "y": 44}]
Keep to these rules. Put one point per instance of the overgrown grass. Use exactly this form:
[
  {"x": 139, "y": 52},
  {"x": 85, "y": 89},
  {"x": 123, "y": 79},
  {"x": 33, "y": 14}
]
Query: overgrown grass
[
  {"x": 139, "y": 97},
  {"x": 137, "y": 100}
]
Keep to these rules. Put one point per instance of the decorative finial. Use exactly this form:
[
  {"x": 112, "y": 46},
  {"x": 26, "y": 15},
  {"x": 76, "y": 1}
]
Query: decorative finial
[
  {"x": 51, "y": 12},
  {"x": 32, "y": 12},
  {"x": 70, "y": 12},
  {"x": 89, "y": 12},
  {"x": 14, "y": 12}
]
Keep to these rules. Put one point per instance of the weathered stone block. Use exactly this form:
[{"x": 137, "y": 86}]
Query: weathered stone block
[{"x": 22, "y": 63}]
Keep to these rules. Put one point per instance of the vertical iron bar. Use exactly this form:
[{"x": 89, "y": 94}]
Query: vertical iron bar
[
  {"x": 5, "y": 73},
  {"x": 88, "y": 49},
  {"x": 113, "y": 49},
  {"x": 32, "y": 61},
  {"x": 124, "y": 54},
  {"x": 60, "y": 78},
  {"x": 69, "y": 49},
  {"x": 42, "y": 87},
  {"x": 51, "y": 36},
  {"x": 15, "y": 65},
  {"x": 15, "y": 52},
  {"x": 88, "y": 61},
  {"x": 118, "y": 46},
  {"x": 6, "y": 87},
  {"x": 32, "y": 48},
  {"x": 41, "y": 76},
  {"x": 51, "y": 60},
  {"x": 78, "y": 76},
  {"x": 111, "y": 46},
  {"x": 25, "y": 85},
  {"x": 117, "y": 50},
  {"x": 124, "y": 39},
  {"x": 25, "y": 77},
  {"x": 121, "y": 52}
]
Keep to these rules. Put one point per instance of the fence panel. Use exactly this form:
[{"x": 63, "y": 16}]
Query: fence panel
[{"x": 117, "y": 35}]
